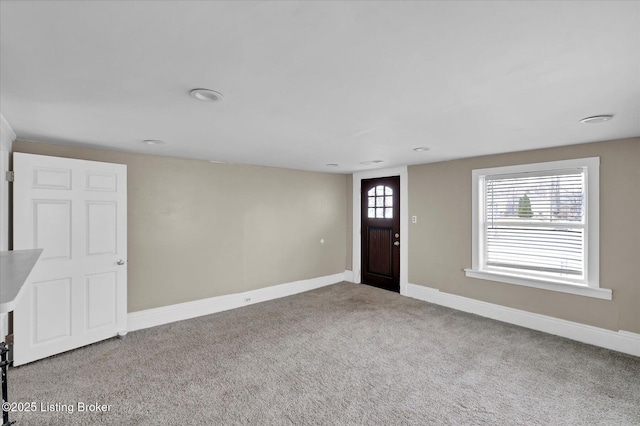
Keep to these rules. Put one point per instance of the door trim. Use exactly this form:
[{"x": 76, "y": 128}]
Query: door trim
[{"x": 404, "y": 221}]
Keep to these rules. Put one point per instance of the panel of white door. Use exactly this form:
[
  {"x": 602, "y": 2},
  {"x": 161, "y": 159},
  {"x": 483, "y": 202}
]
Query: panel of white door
[{"x": 76, "y": 211}]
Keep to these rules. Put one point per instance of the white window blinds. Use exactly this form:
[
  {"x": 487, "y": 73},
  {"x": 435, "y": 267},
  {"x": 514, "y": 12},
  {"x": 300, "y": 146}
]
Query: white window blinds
[{"x": 536, "y": 222}]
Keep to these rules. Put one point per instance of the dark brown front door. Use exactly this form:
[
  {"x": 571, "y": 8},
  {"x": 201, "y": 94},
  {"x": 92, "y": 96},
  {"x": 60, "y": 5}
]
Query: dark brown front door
[{"x": 381, "y": 232}]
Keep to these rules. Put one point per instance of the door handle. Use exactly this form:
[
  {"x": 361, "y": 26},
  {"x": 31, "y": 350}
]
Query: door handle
[
  {"x": 120, "y": 262},
  {"x": 397, "y": 243}
]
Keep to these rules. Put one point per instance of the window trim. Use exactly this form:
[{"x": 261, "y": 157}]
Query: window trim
[{"x": 591, "y": 166}]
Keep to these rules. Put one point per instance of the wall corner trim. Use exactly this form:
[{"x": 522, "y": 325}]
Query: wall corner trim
[
  {"x": 167, "y": 314},
  {"x": 348, "y": 275},
  {"x": 621, "y": 341},
  {"x": 7, "y": 135}
]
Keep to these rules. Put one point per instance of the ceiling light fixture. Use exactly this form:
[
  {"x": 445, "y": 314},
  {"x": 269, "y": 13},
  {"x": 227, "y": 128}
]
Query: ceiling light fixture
[
  {"x": 217, "y": 162},
  {"x": 421, "y": 149},
  {"x": 153, "y": 142},
  {"x": 332, "y": 165},
  {"x": 368, "y": 163},
  {"x": 206, "y": 95},
  {"x": 597, "y": 118}
]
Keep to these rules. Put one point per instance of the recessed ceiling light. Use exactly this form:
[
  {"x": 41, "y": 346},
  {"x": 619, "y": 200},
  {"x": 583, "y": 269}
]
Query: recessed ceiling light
[
  {"x": 217, "y": 162},
  {"x": 421, "y": 149},
  {"x": 206, "y": 95},
  {"x": 332, "y": 165},
  {"x": 597, "y": 118},
  {"x": 153, "y": 142},
  {"x": 368, "y": 163}
]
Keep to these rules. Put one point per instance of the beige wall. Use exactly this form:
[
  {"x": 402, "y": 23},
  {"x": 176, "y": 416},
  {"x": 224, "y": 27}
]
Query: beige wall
[
  {"x": 199, "y": 230},
  {"x": 440, "y": 243}
]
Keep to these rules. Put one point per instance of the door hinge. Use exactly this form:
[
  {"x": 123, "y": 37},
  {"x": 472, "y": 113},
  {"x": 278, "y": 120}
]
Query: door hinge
[{"x": 10, "y": 176}]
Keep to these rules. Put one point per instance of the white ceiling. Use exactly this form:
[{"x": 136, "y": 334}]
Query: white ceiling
[{"x": 311, "y": 83}]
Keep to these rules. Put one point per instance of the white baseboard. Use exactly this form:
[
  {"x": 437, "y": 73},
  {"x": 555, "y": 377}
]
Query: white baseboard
[
  {"x": 182, "y": 311},
  {"x": 621, "y": 341},
  {"x": 348, "y": 275}
]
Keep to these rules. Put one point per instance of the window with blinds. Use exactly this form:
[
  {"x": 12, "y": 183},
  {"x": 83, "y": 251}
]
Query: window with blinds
[
  {"x": 536, "y": 222},
  {"x": 537, "y": 225}
]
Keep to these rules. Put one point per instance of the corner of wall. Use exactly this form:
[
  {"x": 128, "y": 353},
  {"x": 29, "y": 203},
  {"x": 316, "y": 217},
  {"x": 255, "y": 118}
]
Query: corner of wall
[
  {"x": 7, "y": 136},
  {"x": 349, "y": 218},
  {"x": 348, "y": 275}
]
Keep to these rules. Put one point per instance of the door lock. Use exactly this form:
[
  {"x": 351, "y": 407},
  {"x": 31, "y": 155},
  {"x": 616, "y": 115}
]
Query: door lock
[
  {"x": 397, "y": 243},
  {"x": 120, "y": 262}
]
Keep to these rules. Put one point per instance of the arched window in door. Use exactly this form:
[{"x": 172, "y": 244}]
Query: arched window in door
[{"x": 380, "y": 202}]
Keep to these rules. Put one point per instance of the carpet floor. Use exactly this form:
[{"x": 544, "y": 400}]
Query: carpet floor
[{"x": 345, "y": 354}]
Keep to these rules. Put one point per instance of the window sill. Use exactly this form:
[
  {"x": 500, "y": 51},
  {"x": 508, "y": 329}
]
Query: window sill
[{"x": 599, "y": 293}]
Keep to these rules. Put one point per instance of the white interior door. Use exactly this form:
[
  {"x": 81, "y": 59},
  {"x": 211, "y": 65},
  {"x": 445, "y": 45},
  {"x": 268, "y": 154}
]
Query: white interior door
[{"x": 77, "y": 293}]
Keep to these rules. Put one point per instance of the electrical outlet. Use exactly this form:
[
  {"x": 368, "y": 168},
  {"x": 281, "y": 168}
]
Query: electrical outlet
[
  {"x": 247, "y": 299},
  {"x": 414, "y": 219}
]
